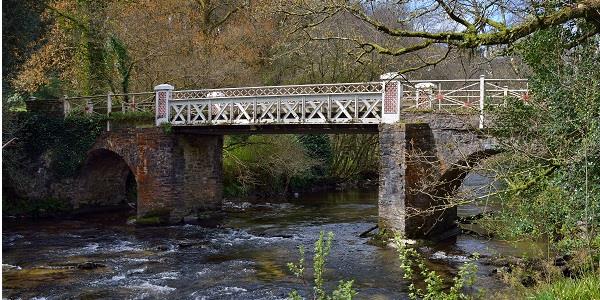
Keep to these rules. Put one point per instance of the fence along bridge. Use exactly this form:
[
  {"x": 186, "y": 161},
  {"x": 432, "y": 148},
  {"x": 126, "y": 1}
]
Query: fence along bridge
[
  {"x": 339, "y": 103},
  {"x": 180, "y": 173}
]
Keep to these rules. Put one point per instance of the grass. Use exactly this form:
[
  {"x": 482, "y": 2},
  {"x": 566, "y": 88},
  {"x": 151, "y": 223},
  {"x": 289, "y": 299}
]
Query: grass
[{"x": 587, "y": 287}]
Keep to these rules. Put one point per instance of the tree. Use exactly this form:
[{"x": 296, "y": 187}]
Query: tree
[
  {"x": 552, "y": 144},
  {"x": 423, "y": 26},
  {"x": 22, "y": 26}
]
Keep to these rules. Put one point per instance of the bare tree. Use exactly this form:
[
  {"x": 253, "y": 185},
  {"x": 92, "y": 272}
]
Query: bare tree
[{"x": 424, "y": 28}]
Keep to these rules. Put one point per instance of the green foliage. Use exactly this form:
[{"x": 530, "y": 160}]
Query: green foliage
[
  {"x": 411, "y": 261},
  {"x": 133, "y": 118},
  {"x": 14, "y": 102},
  {"x": 148, "y": 221},
  {"x": 274, "y": 164},
  {"x": 264, "y": 164},
  {"x": 322, "y": 249},
  {"x": 64, "y": 142},
  {"x": 123, "y": 62},
  {"x": 551, "y": 164},
  {"x": 354, "y": 156},
  {"x": 22, "y": 25},
  {"x": 154, "y": 217},
  {"x": 344, "y": 290},
  {"x": 587, "y": 287},
  {"x": 318, "y": 146},
  {"x": 167, "y": 128}
]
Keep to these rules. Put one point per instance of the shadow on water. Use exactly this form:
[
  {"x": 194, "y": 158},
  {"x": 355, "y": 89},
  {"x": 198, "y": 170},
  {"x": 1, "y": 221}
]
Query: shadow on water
[{"x": 103, "y": 257}]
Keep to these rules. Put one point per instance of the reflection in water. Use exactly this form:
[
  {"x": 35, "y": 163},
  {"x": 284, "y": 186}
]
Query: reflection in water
[{"x": 245, "y": 258}]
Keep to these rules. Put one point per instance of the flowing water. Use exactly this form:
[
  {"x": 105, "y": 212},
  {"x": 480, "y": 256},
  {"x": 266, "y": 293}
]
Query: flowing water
[{"x": 243, "y": 258}]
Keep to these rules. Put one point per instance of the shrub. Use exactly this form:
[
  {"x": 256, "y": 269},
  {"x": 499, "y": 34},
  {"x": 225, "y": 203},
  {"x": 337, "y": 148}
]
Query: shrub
[
  {"x": 411, "y": 261},
  {"x": 344, "y": 290}
]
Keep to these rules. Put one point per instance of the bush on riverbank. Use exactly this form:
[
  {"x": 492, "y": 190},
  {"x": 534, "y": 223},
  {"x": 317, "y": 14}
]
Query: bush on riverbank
[
  {"x": 586, "y": 287},
  {"x": 428, "y": 284},
  {"x": 264, "y": 164},
  {"x": 550, "y": 167},
  {"x": 273, "y": 165}
]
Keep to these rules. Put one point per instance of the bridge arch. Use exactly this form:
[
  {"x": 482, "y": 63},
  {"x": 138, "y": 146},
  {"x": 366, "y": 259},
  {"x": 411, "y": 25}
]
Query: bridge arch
[
  {"x": 452, "y": 178},
  {"x": 107, "y": 179}
]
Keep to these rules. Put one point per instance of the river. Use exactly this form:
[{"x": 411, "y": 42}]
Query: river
[{"x": 244, "y": 257}]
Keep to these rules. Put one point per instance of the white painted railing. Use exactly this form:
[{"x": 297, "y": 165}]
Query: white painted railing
[
  {"x": 110, "y": 103},
  {"x": 467, "y": 93},
  {"x": 321, "y": 103},
  {"x": 365, "y": 102}
]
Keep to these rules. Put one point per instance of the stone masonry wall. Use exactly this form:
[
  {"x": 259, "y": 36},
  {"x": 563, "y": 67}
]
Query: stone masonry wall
[
  {"x": 176, "y": 175},
  {"x": 392, "y": 170}
]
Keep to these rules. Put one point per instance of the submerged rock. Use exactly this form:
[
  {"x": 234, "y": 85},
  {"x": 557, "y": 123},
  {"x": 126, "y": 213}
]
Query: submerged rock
[
  {"x": 163, "y": 247},
  {"x": 89, "y": 265},
  {"x": 190, "y": 219}
]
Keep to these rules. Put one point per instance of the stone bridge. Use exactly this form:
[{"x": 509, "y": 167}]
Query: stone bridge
[{"x": 426, "y": 149}]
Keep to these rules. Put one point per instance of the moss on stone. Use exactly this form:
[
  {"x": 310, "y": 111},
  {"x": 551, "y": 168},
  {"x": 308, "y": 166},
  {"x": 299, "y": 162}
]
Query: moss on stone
[
  {"x": 148, "y": 221},
  {"x": 158, "y": 216}
]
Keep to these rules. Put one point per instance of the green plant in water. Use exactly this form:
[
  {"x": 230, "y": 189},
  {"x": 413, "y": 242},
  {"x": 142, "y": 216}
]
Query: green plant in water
[
  {"x": 411, "y": 261},
  {"x": 343, "y": 291}
]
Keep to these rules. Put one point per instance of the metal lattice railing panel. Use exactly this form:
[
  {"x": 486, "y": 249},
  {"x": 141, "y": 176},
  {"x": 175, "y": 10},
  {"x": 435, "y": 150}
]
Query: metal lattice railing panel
[
  {"x": 289, "y": 109},
  {"x": 274, "y": 91}
]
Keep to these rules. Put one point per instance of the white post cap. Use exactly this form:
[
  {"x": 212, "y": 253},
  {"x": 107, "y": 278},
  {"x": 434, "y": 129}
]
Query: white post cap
[
  {"x": 163, "y": 87},
  {"x": 389, "y": 76}
]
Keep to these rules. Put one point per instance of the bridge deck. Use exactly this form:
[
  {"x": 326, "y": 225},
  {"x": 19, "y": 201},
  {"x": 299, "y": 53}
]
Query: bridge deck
[{"x": 278, "y": 129}]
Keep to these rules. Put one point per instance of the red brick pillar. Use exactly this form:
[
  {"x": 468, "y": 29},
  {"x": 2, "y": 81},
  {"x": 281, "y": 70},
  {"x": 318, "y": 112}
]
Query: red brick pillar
[
  {"x": 391, "y": 96},
  {"x": 163, "y": 96}
]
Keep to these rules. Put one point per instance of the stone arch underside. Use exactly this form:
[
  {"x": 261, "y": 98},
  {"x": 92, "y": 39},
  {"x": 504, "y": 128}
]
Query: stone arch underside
[
  {"x": 103, "y": 180},
  {"x": 452, "y": 178}
]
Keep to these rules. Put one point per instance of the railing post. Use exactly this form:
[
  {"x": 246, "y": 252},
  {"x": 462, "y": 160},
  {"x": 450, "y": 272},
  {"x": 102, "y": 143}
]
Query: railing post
[
  {"x": 189, "y": 113},
  {"x": 66, "y": 105},
  {"x": 108, "y": 109},
  {"x": 417, "y": 97},
  {"x": 328, "y": 108},
  {"x": 356, "y": 108},
  {"x": 89, "y": 107},
  {"x": 439, "y": 96},
  {"x": 163, "y": 96},
  {"x": 210, "y": 110},
  {"x": 278, "y": 109},
  {"x": 481, "y": 99},
  {"x": 505, "y": 94},
  {"x": 391, "y": 96},
  {"x": 254, "y": 120},
  {"x": 303, "y": 117},
  {"x": 231, "y": 116}
]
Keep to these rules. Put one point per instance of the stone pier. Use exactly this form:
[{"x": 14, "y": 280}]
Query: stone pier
[
  {"x": 176, "y": 174},
  {"x": 423, "y": 161}
]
